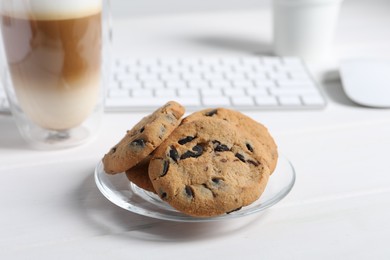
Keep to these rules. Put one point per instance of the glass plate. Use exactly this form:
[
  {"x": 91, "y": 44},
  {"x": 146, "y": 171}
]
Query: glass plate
[{"x": 123, "y": 193}]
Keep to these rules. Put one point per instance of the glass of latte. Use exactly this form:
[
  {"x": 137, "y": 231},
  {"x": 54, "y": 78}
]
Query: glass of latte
[{"x": 54, "y": 64}]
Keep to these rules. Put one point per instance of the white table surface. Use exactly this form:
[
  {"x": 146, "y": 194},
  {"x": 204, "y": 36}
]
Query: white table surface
[{"x": 339, "y": 207}]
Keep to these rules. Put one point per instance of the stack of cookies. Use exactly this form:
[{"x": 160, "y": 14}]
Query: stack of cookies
[{"x": 212, "y": 162}]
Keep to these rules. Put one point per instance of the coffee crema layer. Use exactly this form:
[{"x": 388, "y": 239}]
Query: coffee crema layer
[
  {"x": 55, "y": 66},
  {"x": 50, "y": 9}
]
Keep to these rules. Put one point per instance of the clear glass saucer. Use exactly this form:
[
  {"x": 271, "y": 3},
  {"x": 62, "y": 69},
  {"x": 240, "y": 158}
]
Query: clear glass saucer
[{"x": 120, "y": 191}]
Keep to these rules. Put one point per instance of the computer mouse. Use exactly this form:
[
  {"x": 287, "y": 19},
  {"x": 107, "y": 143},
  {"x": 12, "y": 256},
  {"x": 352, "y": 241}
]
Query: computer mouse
[{"x": 367, "y": 81}]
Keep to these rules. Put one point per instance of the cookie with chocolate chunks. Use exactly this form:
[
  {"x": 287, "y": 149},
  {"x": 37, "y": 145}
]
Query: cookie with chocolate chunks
[
  {"x": 143, "y": 138},
  {"x": 205, "y": 168},
  {"x": 247, "y": 126},
  {"x": 139, "y": 175}
]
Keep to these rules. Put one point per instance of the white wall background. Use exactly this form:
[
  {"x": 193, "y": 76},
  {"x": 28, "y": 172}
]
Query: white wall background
[{"x": 149, "y": 7}]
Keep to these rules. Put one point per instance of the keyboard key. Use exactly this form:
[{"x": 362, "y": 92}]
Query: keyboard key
[
  {"x": 131, "y": 84},
  {"x": 191, "y": 76},
  {"x": 234, "y": 92},
  {"x": 165, "y": 93},
  {"x": 142, "y": 93},
  {"x": 235, "y": 76},
  {"x": 151, "y": 84},
  {"x": 278, "y": 75},
  {"x": 242, "y": 83},
  {"x": 257, "y": 75},
  {"x": 220, "y": 84},
  {"x": 179, "y": 84},
  {"x": 211, "y": 92},
  {"x": 169, "y": 76},
  {"x": 148, "y": 77},
  {"x": 294, "y": 83},
  {"x": 265, "y": 83},
  {"x": 257, "y": 92},
  {"x": 216, "y": 101},
  {"x": 118, "y": 92},
  {"x": 266, "y": 101},
  {"x": 131, "y": 103},
  {"x": 198, "y": 84},
  {"x": 189, "y": 101},
  {"x": 188, "y": 93},
  {"x": 291, "y": 91},
  {"x": 213, "y": 76},
  {"x": 313, "y": 100},
  {"x": 290, "y": 100},
  {"x": 242, "y": 101}
]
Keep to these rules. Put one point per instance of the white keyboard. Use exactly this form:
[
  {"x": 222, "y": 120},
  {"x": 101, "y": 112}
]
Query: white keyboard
[{"x": 243, "y": 83}]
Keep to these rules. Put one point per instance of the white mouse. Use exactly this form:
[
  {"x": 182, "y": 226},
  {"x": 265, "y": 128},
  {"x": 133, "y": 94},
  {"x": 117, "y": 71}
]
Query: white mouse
[{"x": 367, "y": 81}]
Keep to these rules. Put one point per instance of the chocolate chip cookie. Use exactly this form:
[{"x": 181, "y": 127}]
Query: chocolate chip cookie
[
  {"x": 247, "y": 126},
  {"x": 143, "y": 138},
  {"x": 206, "y": 168},
  {"x": 139, "y": 175}
]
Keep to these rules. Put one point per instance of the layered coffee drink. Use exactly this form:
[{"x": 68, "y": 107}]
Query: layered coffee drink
[{"x": 54, "y": 54}]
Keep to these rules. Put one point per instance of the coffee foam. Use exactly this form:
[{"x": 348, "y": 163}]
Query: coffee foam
[{"x": 51, "y": 9}]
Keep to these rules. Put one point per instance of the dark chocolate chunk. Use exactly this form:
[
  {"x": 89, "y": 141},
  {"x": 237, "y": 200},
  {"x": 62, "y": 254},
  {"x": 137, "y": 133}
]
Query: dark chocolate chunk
[
  {"x": 237, "y": 209},
  {"x": 218, "y": 147},
  {"x": 142, "y": 130},
  {"x": 189, "y": 191},
  {"x": 186, "y": 155},
  {"x": 165, "y": 169},
  {"x": 212, "y": 112},
  {"x": 216, "y": 180},
  {"x": 255, "y": 163},
  {"x": 197, "y": 151},
  {"x": 113, "y": 150},
  {"x": 250, "y": 148},
  {"x": 173, "y": 153},
  {"x": 221, "y": 148},
  {"x": 163, "y": 195},
  {"x": 138, "y": 143},
  {"x": 240, "y": 156},
  {"x": 186, "y": 140}
]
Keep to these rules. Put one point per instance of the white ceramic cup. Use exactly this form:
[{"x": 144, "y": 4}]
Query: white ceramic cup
[
  {"x": 305, "y": 28},
  {"x": 53, "y": 62}
]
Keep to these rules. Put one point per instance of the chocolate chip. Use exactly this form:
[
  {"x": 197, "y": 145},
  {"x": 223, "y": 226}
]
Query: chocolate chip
[
  {"x": 212, "y": 112},
  {"x": 186, "y": 140},
  {"x": 186, "y": 155},
  {"x": 218, "y": 147},
  {"x": 165, "y": 169},
  {"x": 189, "y": 191},
  {"x": 138, "y": 143},
  {"x": 142, "y": 130},
  {"x": 224, "y": 160},
  {"x": 253, "y": 162},
  {"x": 249, "y": 147},
  {"x": 237, "y": 209},
  {"x": 240, "y": 156},
  {"x": 216, "y": 180},
  {"x": 113, "y": 150},
  {"x": 173, "y": 153},
  {"x": 197, "y": 151},
  {"x": 163, "y": 195}
]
